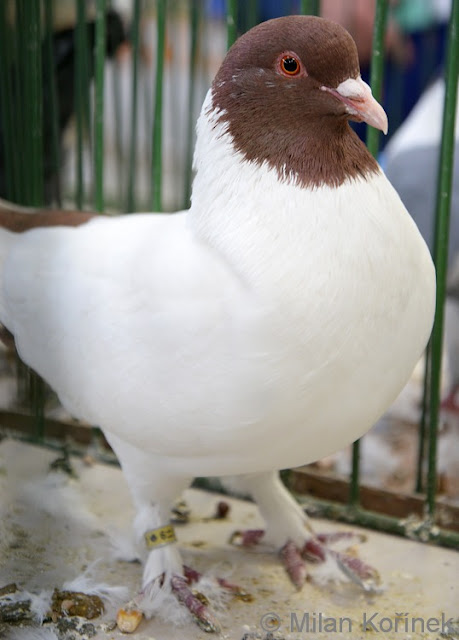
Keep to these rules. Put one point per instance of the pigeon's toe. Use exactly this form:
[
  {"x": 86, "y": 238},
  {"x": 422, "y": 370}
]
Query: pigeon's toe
[
  {"x": 294, "y": 563},
  {"x": 196, "y": 603},
  {"x": 317, "y": 550}
]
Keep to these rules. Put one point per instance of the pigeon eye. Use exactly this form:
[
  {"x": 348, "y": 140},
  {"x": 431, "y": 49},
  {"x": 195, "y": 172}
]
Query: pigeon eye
[{"x": 290, "y": 66}]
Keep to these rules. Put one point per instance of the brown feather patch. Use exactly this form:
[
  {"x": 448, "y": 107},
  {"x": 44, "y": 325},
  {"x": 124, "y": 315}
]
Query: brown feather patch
[
  {"x": 290, "y": 123},
  {"x": 17, "y": 221}
]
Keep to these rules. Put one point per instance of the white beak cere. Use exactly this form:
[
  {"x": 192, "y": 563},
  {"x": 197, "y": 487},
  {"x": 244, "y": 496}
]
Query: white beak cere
[{"x": 359, "y": 101}]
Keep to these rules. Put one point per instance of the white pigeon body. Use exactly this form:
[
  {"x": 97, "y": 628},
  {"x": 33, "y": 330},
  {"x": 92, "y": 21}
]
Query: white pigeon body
[
  {"x": 201, "y": 336},
  {"x": 266, "y": 327}
]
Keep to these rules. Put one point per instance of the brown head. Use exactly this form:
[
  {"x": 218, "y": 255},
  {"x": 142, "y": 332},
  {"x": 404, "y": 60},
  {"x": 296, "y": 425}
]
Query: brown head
[{"x": 287, "y": 89}]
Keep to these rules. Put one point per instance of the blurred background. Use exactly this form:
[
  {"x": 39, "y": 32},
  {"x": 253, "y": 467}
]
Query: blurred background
[{"x": 98, "y": 104}]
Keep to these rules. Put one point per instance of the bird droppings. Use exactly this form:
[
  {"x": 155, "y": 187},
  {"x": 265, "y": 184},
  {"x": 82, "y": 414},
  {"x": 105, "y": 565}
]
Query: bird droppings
[
  {"x": 15, "y": 612},
  {"x": 71, "y": 603},
  {"x": 108, "y": 627},
  {"x": 8, "y": 589},
  {"x": 243, "y": 596},
  {"x": 222, "y": 510},
  {"x": 63, "y": 464},
  {"x": 180, "y": 512},
  {"x": 75, "y": 628},
  {"x": 198, "y": 544}
]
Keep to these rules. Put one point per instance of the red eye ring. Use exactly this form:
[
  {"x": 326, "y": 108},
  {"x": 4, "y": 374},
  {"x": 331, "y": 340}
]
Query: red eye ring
[{"x": 290, "y": 65}]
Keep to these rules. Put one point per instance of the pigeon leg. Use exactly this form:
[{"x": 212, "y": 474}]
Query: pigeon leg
[
  {"x": 153, "y": 491},
  {"x": 195, "y": 605},
  {"x": 288, "y": 529},
  {"x": 287, "y": 525}
]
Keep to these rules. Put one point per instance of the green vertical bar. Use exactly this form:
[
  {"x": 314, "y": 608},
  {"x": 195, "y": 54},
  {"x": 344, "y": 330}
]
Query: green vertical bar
[
  {"x": 118, "y": 131},
  {"x": 21, "y": 117},
  {"x": 7, "y": 94},
  {"x": 33, "y": 106},
  {"x": 442, "y": 217},
  {"x": 310, "y": 7},
  {"x": 376, "y": 79},
  {"x": 252, "y": 13},
  {"x": 354, "y": 487},
  {"x": 53, "y": 101},
  {"x": 419, "y": 487},
  {"x": 80, "y": 72},
  {"x": 30, "y": 80},
  {"x": 377, "y": 67},
  {"x": 130, "y": 204},
  {"x": 194, "y": 31},
  {"x": 156, "y": 167},
  {"x": 99, "y": 106},
  {"x": 231, "y": 22}
]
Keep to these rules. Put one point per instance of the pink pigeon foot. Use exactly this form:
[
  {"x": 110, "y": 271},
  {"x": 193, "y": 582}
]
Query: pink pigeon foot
[
  {"x": 316, "y": 550},
  {"x": 195, "y": 602}
]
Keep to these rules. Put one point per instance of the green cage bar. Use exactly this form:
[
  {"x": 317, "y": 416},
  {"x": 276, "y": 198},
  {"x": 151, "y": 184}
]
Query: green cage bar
[
  {"x": 130, "y": 201},
  {"x": 441, "y": 239},
  {"x": 30, "y": 122},
  {"x": 81, "y": 96},
  {"x": 377, "y": 67},
  {"x": 7, "y": 92},
  {"x": 419, "y": 486},
  {"x": 157, "y": 144},
  {"x": 18, "y": 107},
  {"x": 53, "y": 103},
  {"x": 376, "y": 81},
  {"x": 310, "y": 7},
  {"x": 117, "y": 114},
  {"x": 79, "y": 108},
  {"x": 195, "y": 15},
  {"x": 99, "y": 106},
  {"x": 231, "y": 22},
  {"x": 252, "y": 14},
  {"x": 420, "y": 531}
]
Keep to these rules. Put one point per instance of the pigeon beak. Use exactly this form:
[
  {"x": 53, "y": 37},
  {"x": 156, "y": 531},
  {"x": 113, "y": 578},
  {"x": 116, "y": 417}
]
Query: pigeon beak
[{"x": 359, "y": 102}]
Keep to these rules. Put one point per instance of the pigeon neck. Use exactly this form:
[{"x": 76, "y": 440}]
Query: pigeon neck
[
  {"x": 248, "y": 213},
  {"x": 309, "y": 157},
  {"x": 225, "y": 171},
  {"x": 302, "y": 142}
]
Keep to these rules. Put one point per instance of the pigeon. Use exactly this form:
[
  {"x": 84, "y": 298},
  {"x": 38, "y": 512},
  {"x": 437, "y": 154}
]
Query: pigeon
[{"x": 267, "y": 326}]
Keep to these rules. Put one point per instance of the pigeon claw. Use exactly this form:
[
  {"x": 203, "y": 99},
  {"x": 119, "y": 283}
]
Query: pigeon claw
[
  {"x": 294, "y": 564},
  {"x": 358, "y": 571}
]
